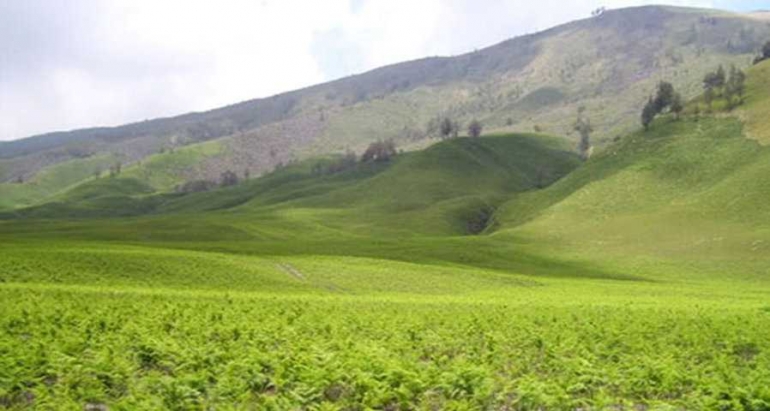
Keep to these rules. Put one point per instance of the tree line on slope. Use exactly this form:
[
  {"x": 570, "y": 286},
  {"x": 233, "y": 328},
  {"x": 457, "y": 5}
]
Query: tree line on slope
[
  {"x": 377, "y": 152},
  {"x": 716, "y": 85}
]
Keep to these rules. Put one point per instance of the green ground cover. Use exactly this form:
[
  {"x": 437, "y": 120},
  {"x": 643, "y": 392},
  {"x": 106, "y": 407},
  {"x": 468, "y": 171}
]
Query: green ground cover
[{"x": 637, "y": 280}]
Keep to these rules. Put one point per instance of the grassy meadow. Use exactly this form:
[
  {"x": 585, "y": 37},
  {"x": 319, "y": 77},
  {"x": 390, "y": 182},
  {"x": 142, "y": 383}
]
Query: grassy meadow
[{"x": 497, "y": 273}]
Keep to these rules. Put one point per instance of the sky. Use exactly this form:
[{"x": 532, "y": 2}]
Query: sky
[{"x": 83, "y": 63}]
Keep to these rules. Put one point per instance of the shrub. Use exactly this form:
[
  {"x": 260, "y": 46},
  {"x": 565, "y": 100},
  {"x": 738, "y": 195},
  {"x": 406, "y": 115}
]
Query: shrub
[
  {"x": 196, "y": 186},
  {"x": 228, "y": 178},
  {"x": 474, "y": 129},
  {"x": 379, "y": 151}
]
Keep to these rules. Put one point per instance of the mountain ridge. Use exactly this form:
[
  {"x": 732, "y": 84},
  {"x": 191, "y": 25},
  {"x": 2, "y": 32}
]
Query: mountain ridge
[{"x": 537, "y": 80}]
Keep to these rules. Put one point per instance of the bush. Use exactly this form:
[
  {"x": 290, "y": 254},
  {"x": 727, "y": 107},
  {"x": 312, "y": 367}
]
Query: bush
[
  {"x": 196, "y": 186},
  {"x": 379, "y": 151},
  {"x": 474, "y": 129},
  {"x": 344, "y": 163},
  {"x": 766, "y": 51},
  {"x": 228, "y": 178}
]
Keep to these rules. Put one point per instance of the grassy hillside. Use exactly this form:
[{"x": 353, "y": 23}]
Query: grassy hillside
[
  {"x": 407, "y": 195},
  {"x": 754, "y": 113},
  {"x": 686, "y": 196},
  {"x": 606, "y": 65},
  {"x": 51, "y": 181},
  {"x": 639, "y": 279}
]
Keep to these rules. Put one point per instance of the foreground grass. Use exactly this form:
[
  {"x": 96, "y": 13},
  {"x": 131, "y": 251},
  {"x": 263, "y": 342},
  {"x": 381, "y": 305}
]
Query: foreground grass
[
  {"x": 70, "y": 346},
  {"x": 152, "y": 328}
]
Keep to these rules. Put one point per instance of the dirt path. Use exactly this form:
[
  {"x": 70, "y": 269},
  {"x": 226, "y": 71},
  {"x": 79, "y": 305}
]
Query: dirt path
[
  {"x": 296, "y": 273},
  {"x": 291, "y": 270}
]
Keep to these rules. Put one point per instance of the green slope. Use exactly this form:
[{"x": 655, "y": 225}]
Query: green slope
[
  {"x": 605, "y": 65},
  {"x": 690, "y": 194},
  {"x": 363, "y": 289},
  {"x": 51, "y": 181},
  {"x": 442, "y": 189},
  {"x": 411, "y": 193}
]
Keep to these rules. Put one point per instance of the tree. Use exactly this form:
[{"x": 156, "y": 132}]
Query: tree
[
  {"x": 474, "y": 129},
  {"x": 677, "y": 105},
  {"x": 664, "y": 97},
  {"x": 379, "y": 151},
  {"x": 720, "y": 76},
  {"x": 715, "y": 80},
  {"x": 228, "y": 178},
  {"x": 446, "y": 127},
  {"x": 584, "y": 128},
  {"x": 648, "y": 113},
  {"x": 115, "y": 169},
  {"x": 196, "y": 186},
  {"x": 736, "y": 86}
]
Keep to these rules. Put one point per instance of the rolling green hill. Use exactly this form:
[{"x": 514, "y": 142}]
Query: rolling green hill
[
  {"x": 606, "y": 65},
  {"x": 491, "y": 273}
]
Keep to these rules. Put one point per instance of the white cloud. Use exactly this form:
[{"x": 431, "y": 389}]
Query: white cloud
[{"x": 90, "y": 62}]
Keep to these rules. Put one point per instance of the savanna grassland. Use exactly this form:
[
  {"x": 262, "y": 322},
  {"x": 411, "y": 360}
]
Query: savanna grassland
[{"x": 493, "y": 273}]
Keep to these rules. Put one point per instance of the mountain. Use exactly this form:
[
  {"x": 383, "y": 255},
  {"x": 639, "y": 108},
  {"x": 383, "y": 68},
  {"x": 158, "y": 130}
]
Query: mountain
[
  {"x": 686, "y": 196},
  {"x": 605, "y": 65},
  {"x": 499, "y": 272}
]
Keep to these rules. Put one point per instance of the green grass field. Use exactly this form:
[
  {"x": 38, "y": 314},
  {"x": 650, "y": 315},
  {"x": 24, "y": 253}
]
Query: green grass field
[{"x": 496, "y": 273}]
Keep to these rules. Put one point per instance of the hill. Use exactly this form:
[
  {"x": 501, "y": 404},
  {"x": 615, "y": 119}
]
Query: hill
[
  {"x": 685, "y": 196},
  {"x": 689, "y": 192},
  {"x": 606, "y": 64},
  {"x": 409, "y": 191},
  {"x": 635, "y": 280}
]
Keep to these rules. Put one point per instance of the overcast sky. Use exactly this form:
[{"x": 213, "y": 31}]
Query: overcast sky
[{"x": 80, "y": 63}]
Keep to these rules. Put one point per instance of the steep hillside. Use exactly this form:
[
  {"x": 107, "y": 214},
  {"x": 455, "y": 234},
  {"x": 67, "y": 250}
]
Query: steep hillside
[
  {"x": 686, "y": 196},
  {"x": 606, "y": 64}
]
